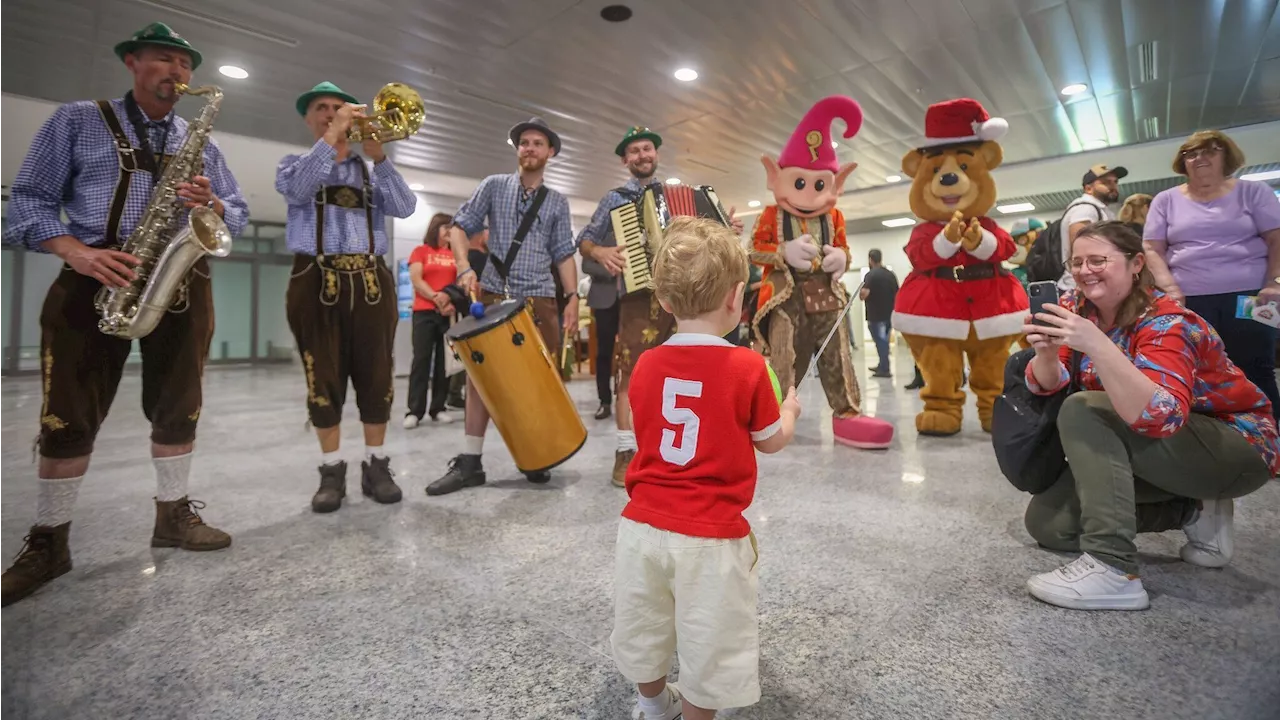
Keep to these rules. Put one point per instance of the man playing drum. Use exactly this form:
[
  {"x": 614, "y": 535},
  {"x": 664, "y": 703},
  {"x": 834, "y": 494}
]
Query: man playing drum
[{"x": 529, "y": 232}]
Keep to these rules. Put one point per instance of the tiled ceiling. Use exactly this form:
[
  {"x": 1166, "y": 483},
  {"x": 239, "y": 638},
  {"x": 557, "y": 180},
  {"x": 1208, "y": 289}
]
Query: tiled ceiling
[{"x": 1155, "y": 69}]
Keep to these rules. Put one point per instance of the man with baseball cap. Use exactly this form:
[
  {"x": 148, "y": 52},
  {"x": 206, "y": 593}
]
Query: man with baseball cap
[{"x": 1101, "y": 188}]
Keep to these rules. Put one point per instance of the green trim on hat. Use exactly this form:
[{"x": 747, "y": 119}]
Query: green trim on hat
[
  {"x": 636, "y": 132},
  {"x": 324, "y": 88},
  {"x": 158, "y": 34}
]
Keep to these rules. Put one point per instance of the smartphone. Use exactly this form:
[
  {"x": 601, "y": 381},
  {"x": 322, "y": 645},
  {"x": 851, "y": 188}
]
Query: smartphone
[{"x": 1042, "y": 293}]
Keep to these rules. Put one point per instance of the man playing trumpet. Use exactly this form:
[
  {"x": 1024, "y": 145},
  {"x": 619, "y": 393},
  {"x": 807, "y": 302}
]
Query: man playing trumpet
[{"x": 341, "y": 299}]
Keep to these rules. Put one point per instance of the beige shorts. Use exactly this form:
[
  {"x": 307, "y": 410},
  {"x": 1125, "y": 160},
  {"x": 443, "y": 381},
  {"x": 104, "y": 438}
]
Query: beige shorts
[{"x": 695, "y": 596}]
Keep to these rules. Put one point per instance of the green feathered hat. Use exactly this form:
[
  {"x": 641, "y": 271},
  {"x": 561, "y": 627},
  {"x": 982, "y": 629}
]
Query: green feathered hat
[
  {"x": 324, "y": 88},
  {"x": 158, "y": 33}
]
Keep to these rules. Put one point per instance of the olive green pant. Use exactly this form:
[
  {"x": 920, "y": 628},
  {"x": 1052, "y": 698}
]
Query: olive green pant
[{"x": 1113, "y": 472}]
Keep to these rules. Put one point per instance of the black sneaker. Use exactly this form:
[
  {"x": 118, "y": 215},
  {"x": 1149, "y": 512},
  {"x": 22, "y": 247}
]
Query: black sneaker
[
  {"x": 376, "y": 481},
  {"x": 538, "y": 478},
  {"x": 464, "y": 471}
]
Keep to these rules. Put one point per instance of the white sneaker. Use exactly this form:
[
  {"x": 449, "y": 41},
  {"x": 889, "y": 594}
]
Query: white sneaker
[
  {"x": 674, "y": 711},
  {"x": 1089, "y": 584},
  {"x": 443, "y": 418},
  {"x": 1211, "y": 537},
  {"x": 410, "y": 421}
]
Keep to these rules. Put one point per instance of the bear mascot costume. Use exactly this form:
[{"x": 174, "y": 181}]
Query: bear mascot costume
[
  {"x": 799, "y": 244},
  {"x": 959, "y": 300}
]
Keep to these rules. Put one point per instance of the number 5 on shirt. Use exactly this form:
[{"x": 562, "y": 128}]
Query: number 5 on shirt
[{"x": 673, "y": 389}]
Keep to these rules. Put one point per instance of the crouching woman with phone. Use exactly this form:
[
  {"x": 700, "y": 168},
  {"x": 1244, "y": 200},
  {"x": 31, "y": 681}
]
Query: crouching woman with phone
[{"x": 1164, "y": 432}]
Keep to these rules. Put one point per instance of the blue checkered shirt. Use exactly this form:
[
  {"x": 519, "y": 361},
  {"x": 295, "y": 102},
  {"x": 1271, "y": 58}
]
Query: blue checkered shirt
[
  {"x": 503, "y": 200},
  {"x": 72, "y": 165},
  {"x": 346, "y": 230}
]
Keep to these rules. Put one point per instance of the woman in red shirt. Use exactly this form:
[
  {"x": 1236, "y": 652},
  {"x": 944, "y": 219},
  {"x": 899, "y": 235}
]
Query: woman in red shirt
[
  {"x": 1164, "y": 433},
  {"x": 431, "y": 268}
]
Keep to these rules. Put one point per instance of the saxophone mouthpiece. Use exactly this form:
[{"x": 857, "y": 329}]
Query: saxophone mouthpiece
[{"x": 181, "y": 88}]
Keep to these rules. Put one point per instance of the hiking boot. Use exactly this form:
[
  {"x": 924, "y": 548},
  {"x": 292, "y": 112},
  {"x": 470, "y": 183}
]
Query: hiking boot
[
  {"x": 604, "y": 411},
  {"x": 45, "y": 555},
  {"x": 179, "y": 525},
  {"x": 376, "y": 481},
  {"x": 333, "y": 488},
  {"x": 464, "y": 471},
  {"x": 621, "y": 460}
]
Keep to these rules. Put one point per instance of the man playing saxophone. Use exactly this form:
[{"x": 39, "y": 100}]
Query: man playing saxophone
[
  {"x": 98, "y": 162},
  {"x": 341, "y": 301}
]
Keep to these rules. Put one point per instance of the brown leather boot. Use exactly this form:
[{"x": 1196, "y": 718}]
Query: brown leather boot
[
  {"x": 178, "y": 525},
  {"x": 333, "y": 488},
  {"x": 45, "y": 555},
  {"x": 621, "y": 459}
]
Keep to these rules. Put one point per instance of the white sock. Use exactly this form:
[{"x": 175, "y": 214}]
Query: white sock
[
  {"x": 655, "y": 706},
  {"x": 56, "y": 499},
  {"x": 626, "y": 440},
  {"x": 372, "y": 451},
  {"x": 171, "y": 477},
  {"x": 475, "y": 445},
  {"x": 331, "y": 458}
]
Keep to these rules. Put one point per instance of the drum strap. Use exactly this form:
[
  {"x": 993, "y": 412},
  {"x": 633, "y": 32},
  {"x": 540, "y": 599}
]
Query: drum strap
[{"x": 504, "y": 266}]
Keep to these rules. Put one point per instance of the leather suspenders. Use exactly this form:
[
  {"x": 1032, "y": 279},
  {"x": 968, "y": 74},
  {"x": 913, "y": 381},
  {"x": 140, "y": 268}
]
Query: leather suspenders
[
  {"x": 346, "y": 197},
  {"x": 128, "y": 166}
]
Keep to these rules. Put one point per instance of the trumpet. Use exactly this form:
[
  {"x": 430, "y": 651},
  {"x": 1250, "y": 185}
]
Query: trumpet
[{"x": 398, "y": 112}]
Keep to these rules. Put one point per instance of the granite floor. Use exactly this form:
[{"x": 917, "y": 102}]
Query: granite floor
[{"x": 891, "y": 585}]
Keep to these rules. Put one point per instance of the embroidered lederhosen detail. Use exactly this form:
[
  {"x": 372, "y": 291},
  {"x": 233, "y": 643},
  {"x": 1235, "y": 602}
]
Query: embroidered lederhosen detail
[
  {"x": 131, "y": 162},
  {"x": 331, "y": 266}
]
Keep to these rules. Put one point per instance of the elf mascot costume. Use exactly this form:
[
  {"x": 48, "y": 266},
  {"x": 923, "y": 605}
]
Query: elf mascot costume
[
  {"x": 799, "y": 244},
  {"x": 959, "y": 299}
]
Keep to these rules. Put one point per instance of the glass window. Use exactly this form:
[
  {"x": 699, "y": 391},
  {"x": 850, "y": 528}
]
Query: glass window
[{"x": 233, "y": 310}]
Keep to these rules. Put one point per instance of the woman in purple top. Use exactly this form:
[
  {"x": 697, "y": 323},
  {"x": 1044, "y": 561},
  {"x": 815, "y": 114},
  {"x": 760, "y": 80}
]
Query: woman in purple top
[{"x": 1215, "y": 239}]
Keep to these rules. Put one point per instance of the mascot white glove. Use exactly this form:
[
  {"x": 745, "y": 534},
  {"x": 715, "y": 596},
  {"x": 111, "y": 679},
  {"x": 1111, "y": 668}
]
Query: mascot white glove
[
  {"x": 799, "y": 253},
  {"x": 836, "y": 260}
]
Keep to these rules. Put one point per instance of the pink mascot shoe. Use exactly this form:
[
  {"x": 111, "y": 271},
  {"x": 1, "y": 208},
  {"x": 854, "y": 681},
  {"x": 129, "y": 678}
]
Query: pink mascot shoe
[{"x": 863, "y": 432}]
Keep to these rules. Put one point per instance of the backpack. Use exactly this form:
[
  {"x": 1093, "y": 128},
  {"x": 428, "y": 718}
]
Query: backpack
[{"x": 1044, "y": 262}]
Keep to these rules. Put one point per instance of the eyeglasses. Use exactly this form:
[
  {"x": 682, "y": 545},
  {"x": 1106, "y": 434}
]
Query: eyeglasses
[
  {"x": 1207, "y": 150},
  {"x": 1096, "y": 263}
]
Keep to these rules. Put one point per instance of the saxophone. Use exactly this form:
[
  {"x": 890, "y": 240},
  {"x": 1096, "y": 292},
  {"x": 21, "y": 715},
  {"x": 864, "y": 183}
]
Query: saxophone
[{"x": 167, "y": 249}]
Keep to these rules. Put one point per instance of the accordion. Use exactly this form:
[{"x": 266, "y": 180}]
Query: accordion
[{"x": 638, "y": 226}]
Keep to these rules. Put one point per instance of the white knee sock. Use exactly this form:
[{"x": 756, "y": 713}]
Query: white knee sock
[
  {"x": 371, "y": 451},
  {"x": 626, "y": 440},
  {"x": 331, "y": 458},
  {"x": 475, "y": 445},
  {"x": 56, "y": 499},
  {"x": 171, "y": 477}
]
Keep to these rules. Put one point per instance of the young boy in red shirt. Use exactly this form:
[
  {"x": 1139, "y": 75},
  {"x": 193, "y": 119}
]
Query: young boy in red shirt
[{"x": 685, "y": 577}]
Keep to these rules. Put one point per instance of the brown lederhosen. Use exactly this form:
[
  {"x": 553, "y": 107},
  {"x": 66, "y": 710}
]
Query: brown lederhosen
[
  {"x": 81, "y": 366},
  {"x": 342, "y": 311},
  {"x": 642, "y": 325}
]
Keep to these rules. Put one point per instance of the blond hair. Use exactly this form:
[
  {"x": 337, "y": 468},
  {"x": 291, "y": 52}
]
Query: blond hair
[
  {"x": 1135, "y": 206},
  {"x": 696, "y": 265},
  {"x": 1232, "y": 156}
]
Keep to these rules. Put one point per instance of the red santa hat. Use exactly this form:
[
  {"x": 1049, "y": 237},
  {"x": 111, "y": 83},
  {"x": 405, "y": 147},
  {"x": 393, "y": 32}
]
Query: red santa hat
[
  {"x": 810, "y": 144},
  {"x": 958, "y": 121}
]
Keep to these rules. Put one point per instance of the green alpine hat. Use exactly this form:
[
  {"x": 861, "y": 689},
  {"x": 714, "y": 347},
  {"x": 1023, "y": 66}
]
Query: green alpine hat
[
  {"x": 637, "y": 132},
  {"x": 158, "y": 33},
  {"x": 324, "y": 88}
]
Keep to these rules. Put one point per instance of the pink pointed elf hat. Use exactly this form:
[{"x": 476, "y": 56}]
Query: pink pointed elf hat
[{"x": 810, "y": 144}]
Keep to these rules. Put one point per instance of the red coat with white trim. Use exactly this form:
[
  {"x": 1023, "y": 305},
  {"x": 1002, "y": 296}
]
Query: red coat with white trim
[{"x": 944, "y": 308}]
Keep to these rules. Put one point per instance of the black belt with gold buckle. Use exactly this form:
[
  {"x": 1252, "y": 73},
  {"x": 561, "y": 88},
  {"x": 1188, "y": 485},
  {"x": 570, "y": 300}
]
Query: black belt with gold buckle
[{"x": 964, "y": 273}]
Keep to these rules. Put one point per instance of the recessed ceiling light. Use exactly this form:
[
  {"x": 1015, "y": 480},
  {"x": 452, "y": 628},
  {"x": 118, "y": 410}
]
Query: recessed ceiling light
[
  {"x": 233, "y": 71},
  {"x": 616, "y": 13},
  {"x": 1016, "y": 208},
  {"x": 893, "y": 178},
  {"x": 1096, "y": 144},
  {"x": 686, "y": 74},
  {"x": 1074, "y": 89},
  {"x": 898, "y": 222},
  {"x": 673, "y": 181},
  {"x": 754, "y": 203},
  {"x": 417, "y": 186}
]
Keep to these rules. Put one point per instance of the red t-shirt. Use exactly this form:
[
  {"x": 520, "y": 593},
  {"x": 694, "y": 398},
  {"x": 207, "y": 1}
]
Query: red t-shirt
[
  {"x": 698, "y": 404},
  {"x": 438, "y": 269}
]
